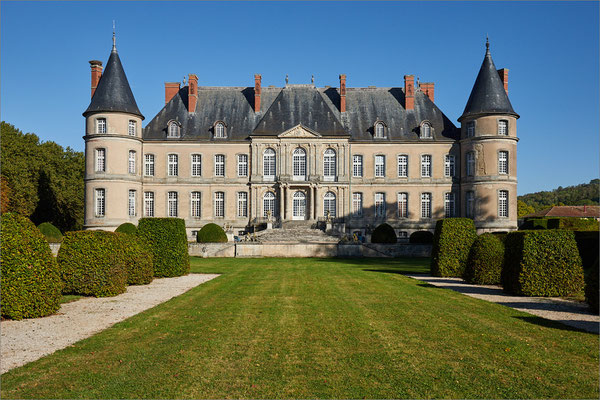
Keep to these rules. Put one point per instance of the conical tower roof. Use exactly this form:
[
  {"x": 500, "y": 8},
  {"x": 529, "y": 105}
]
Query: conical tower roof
[
  {"x": 488, "y": 95},
  {"x": 113, "y": 92}
]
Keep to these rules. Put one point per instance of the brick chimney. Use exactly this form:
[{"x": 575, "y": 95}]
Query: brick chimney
[
  {"x": 504, "y": 78},
  {"x": 192, "y": 92},
  {"x": 409, "y": 92},
  {"x": 427, "y": 89},
  {"x": 96, "y": 67},
  {"x": 171, "y": 89},
  {"x": 257, "y": 91},
  {"x": 343, "y": 93}
]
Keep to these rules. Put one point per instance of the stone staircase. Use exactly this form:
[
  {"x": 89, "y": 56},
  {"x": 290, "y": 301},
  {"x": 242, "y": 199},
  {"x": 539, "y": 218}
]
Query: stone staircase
[{"x": 295, "y": 233}]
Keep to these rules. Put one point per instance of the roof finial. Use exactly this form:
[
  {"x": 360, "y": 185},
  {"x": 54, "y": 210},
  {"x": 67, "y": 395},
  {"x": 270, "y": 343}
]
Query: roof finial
[
  {"x": 312, "y": 79},
  {"x": 487, "y": 43},
  {"x": 287, "y": 79},
  {"x": 114, "y": 38}
]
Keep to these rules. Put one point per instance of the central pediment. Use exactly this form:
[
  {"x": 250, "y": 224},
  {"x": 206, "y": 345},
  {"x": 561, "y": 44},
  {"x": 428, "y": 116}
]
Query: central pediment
[{"x": 299, "y": 131}]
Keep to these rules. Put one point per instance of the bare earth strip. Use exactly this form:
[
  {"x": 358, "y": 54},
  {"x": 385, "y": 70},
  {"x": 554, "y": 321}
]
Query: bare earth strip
[
  {"x": 29, "y": 339},
  {"x": 568, "y": 312}
]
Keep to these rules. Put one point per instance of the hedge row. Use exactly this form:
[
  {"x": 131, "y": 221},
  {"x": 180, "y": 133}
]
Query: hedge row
[
  {"x": 486, "y": 257},
  {"x": 167, "y": 240},
  {"x": 452, "y": 242},
  {"x": 566, "y": 223}
]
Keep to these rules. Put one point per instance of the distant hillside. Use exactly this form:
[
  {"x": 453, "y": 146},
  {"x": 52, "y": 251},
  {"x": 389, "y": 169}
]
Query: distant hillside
[{"x": 579, "y": 195}]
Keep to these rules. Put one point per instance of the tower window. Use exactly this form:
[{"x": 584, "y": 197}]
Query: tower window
[
  {"x": 100, "y": 160},
  {"x": 470, "y": 204},
  {"x": 425, "y": 130},
  {"x": 470, "y": 128},
  {"x": 503, "y": 203},
  {"x": 132, "y": 128},
  {"x": 470, "y": 164},
  {"x": 503, "y": 127},
  {"x": 503, "y": 162},
  {"x": 131, "y": 204},
  {"x": 101, "y": 125},
  {"x": 100, "y": 202},
  {"x": 131, "y": 162}
]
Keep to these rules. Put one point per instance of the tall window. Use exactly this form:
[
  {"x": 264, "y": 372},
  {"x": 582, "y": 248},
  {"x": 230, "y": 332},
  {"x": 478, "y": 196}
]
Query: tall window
[
  {"x": 357, "y": 208},
  {"x": 196, "y": 204},
  {"x": 329, "y": 168},
  {"x": 329, "y": 206},
  {"x": 470, "y": 128},
  {"x": 379, "y": 166},
  {"x": 149, "y": 204},
  {"x": 449, "y": 209},
  {"x": 426, "y": 165},
  {"x": 503, "y": 127},
  {"x": 470, "y": 164},
  {"x": 402, "y": 205},
  {"x": 449, "y": 165},
  {"x": 379, "y": 205},
  {"x": 101, "y": 125},
  {"x": 219, "y": 130},
  {"x": 470, "y": 204},
  {"x": 403, "y": 166},
  {"x": 503, "y": 162},
  {"x": 131, "y": 204},
  {"x": 242, "y": 164},
  {"x": 100, "y": 160},
  {"x": 173, "y": 204},
  {"x": 357, "y": 166},
  {"x": 299, "y": 164},
  {"x": 269, "y": 204},
  {"x": 149, "y": 164},
  {"x": 425, "y": 205},
  {"x": 173, "y": 131},
  {"x": 100, "y": 202},
  {"x": 132, "y": 128},
  {"x": 242, "y": 204},
  {"x": 426, "y": 130},
  {"x": 220, "y": 165},
  {"x": 173, "y": 161},
  {"x": 379, "y": 130},
  {"x": 219, "y": 204},
  {"x": 131, "y": 162},
  {"x": 503, "y": 203},
  {"x": 269, "y": 164},
  {"x": 196, "y": 165}
]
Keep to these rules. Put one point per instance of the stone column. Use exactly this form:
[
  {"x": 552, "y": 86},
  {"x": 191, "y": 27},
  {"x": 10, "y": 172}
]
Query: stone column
[
  {"x": 288, "y": 216},
  {"x": 281, "y": 203}
]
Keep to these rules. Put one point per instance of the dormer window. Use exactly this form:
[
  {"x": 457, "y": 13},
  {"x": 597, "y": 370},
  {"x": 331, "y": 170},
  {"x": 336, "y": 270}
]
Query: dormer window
[
  {"x": 426, "y": 130},
  {"x": 220, "y": 130},
  {"x": 173, "y": 131},
  {"x": 379, "y": 130}
]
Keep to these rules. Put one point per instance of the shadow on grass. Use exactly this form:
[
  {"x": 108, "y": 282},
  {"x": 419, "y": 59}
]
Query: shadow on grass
[
  {"x": 582, "y": 326},
  {"x": 412, "y": 265}
]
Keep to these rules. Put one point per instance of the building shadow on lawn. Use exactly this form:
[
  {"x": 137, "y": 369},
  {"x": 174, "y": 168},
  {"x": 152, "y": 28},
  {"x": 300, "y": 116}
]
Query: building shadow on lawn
[
  {"x": 580, "y": 326},
  {"x": 385, "y": 265}
]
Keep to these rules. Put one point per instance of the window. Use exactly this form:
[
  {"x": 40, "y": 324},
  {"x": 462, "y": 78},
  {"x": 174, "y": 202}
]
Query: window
[
  {"x": 379, "y": 166},
  {"x": 357, "y": 166},
  {"x": 131, "y": 162},
  {"x": 196, "y": 165},
  {"x": 299, "y": 164},
  {"x": 379, "y": 130},
  {"x": 131, "y": 204},
  {"x": 173, "y": 161},
  {"x": 173, "y": 131},
  {"x": 402, "y": 205},
  {"x": 470, "y": 204},
  {"x": 470, "y": 128},
  {"x": 425, "y": 205},
  {"x": 357, "y": 205},
  {"x": 402, "y": 236},
  {"x": 100, "y": 160},
  {"x": 449, "y": 166},
  {"x": 242, "y": 204},
  {"x": 503, "y": 162},
  {"x": 269, "y": 164},
  {"x": 242, "y": 162},
  {"x": 426, "y": 130},
  {"x": 379, "y": 205},
  {"x": 196, "y": 204},
  {"x": 449, "y": 210},
  {"x": 403, "y": 166},
  {"x": 101, "y": 125},
  {"x": 269, "y": 204},
  {"x": 426, "y": 166},
  {"x": 173, "y": 204},
  {"x": 503, "y": 203},
  {"x": 219, "y": 165},
  {"x": 329, "y": 166},
  {"x": 149, "y": 204},
  {"x": 100, "y": 202},
  {"x": 329, "y": 205},
  {"x": 470, "y": 163},
  {"x": 149, "y": 164},
  {"x": 132, "y": 128},
  {"x": 219, "y": 205},
  {"x": 220, "y": 130},
  {"x": 503, "y": 127}
]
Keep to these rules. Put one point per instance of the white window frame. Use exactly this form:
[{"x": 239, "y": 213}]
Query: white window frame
[
  {"x": 380, "y": 205},
  {"x": 357, "y": 166},
  {"x": 196, "y": 164},
  {"x": 269, "y": 164},
  {"x": 100, "y": 202},
  {"x": 242, "y": 165},
  {"x": 149, "y": 204},
  {"x": 299, "y": 167},
  {"x": 196, "y": 204},
  {"x": 242, "y": 204},
  {"x": 402, "y": 205},
  {"x": 269, "y": 204},
  {"x": 503, "y": 204},
  {"x": 131, "y": 202},
  {"x": 402, "y": 165},
  {"x": 449, "y": 165},
  {"x": 220, "y": 130},
  {"x": 470, "y": 163},
  {"x": 172, "y": 164},
  {"x": 503, "y": 162},
  {"x": 426, "y": 165},
  {"x": 132, "y": 128},
  {"x": 426, "y": 201},
  {"x": 330, "y": 204},
  {"x": 503, "y": 127},
  {"x": 131, "y": 167},
  {"x": 172, "y": 204},
  {"x": 173, "y": 130},
  {"x": 220, "y": 165},
  {"x": 219, "y": 204},
  {"x": 149, "y": 164},
  {"x": 357, "y": 204},
  {"x": 101, "y": 126},
  {"x": 426, "y": 131},
  {"x": 329, "y": 165},
  {"x": 379, "y": 166},
  {"x": 449, "y": 205},
  {"x": 379, "y": 131},
  {"x": 101, "y": 159}
]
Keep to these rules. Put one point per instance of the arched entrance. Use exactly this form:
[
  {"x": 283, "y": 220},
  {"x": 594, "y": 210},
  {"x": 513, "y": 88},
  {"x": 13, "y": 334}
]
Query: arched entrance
[{"x": 299, "y": 206}]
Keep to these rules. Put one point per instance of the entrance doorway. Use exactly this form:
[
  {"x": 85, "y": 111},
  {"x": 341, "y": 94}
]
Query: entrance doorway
[{"x": 299, "y": 206}]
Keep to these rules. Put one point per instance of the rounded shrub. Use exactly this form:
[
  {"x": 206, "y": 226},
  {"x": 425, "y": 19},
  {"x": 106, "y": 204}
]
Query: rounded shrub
[
  {"x": 211, "y": 233},
  {"x": 138, "y": 260},
  {"x": 452, "y": 242},
  {"x": 167, "y": 241},
  {"x": 421, "y": 237},
  {"x": 384, "y": 233},
  {"x": 31, "y": 285},
  {"x": 92, "y": 263},
  {"x": 484, "y": 265},
  {"x": 127, "y": 227},
  {"x": 51, "y": 232},
  {"x": 591, "y": 287}
]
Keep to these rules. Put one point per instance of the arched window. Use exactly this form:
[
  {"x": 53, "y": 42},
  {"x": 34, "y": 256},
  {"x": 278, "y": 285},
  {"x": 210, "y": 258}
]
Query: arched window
[
  {"x": 425, "y": 130},
  {"x": 173, "y": 131},
  {"x": 329, "y": 205},
  {"x": 269, "y": 164},
  {"x": 299, "y": 164},
  {"x": 299, "y": 206},
  {"x": 219, "y": 130},
  {"x": 379, "y": 130},
  {"x": 269, "y": 204},
  {"x": 329, "y": 165}
]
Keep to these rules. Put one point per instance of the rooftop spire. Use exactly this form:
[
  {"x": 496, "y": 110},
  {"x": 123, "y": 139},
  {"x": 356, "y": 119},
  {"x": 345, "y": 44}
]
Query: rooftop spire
[
  {"x": 114, "y": 48},
  {"x": 487, "y": 43}
]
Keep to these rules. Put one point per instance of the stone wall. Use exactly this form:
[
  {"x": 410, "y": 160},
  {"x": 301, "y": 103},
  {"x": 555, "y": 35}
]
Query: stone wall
[{"x": 211, "y": 249}]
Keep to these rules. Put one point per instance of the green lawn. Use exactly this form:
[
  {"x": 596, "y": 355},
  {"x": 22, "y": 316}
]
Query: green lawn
[{"x": 319, "y": 328}]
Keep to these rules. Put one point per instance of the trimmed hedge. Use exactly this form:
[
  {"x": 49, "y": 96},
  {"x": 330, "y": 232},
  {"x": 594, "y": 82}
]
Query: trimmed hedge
[
  {"x": 568, "y": 223},
  {"x": 421, "y": 237},
  {"x": 452, "y": 242},
  {"x": 484, "y": 265},
  {"x": 384, "y": 233},
  {"x": 127, "y": 228},
  {"x": 542, "y": 263},
  {"x": 167, "y": 241},
  {"x": 591, "y": 287},
  {"x": 211, "y": 233},
  {"x": 92, "y": 263},
  {"x": 31, "y": 285},
  {"x": 138, "y": 260},
  {"x": 51, "y": 232}
]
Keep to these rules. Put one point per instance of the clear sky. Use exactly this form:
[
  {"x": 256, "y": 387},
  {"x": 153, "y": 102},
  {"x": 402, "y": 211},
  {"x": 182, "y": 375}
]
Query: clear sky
[{"x": 551, "y": 49}]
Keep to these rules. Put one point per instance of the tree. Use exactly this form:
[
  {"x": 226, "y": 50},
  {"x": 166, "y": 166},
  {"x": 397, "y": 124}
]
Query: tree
[{"x": 5, "y": 195}]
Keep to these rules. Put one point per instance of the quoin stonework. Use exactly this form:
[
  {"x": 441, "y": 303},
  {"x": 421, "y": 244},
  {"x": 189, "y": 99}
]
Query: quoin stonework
[{"x": 356, "y": 157}]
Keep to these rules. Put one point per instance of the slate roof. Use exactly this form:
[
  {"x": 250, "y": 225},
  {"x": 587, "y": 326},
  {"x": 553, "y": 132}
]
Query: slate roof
[
  {"x": 113, "y": 92},
  {"x": 567, "y": 211}
]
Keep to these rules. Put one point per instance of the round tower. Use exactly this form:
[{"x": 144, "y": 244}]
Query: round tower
[
  {"x": 113, "y": 149},
  {"x": 489, "y": 152}
]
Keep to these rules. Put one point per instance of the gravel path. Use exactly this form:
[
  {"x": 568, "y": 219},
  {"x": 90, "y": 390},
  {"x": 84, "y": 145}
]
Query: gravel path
[
  {"x": 29, "y": 339},
  {"x": 568, "y": 312}
]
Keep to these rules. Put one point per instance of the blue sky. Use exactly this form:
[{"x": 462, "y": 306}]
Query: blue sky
[{"x": 551, "y": 49}]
